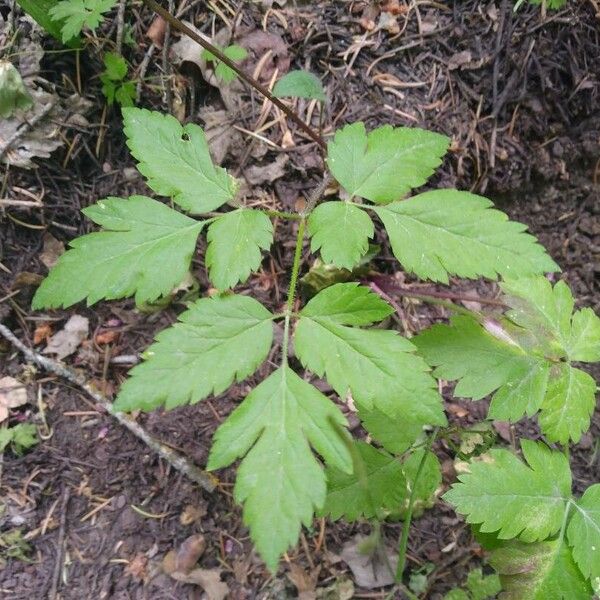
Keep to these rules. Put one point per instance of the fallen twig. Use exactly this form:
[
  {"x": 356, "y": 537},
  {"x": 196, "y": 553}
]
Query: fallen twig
[{"x": 176, "y": 460}]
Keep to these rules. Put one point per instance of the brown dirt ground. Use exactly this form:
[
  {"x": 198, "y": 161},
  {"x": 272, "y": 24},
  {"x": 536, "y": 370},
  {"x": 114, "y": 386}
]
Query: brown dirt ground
[{"x": 520, "y": 96}]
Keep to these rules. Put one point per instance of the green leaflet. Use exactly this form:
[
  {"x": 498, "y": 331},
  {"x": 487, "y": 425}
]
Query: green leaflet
[
  {"x": 516, "y": 499},
  {"x": 279, "y": 481},
  {"x": 20, "y": 437},
  {"x": 235, "y": 241},
  {"x": 385, "y": 164},
  {"x": 568, "y": 405},
  {"x": 145, "y": 249},
  {"x": 378, "y": 366},
  {"x": 398, "y": 434},
  {"x": 341, "y": 231},
  {"x": 300, "y": 84},
  {"x": 428, "y": 483},
  {"x": 377, "y": 484},
  {"x": 539, "y": 571},
  {"x": 583, "y": 532},
  {"x": 78, "y": 14},
  {"x": 176, "y": 160},
  {"x": 478, "y": 587},
  {"x": 348, "y": 304},
  {"x": 448, "y": 232},
  {"x": 216, "y": 341},
  {"x": 547, "y": 312}
]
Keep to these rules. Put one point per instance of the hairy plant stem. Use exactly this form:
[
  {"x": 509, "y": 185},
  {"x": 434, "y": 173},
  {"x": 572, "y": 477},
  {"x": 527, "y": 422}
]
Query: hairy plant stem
[
  {"x": 403, "y": 544},
  {"x": 289, "y": 310},
  {"x": 176, "y": 23}
]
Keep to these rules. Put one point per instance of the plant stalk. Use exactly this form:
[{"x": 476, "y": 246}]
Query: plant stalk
[
  {"x": 403, "y": 544},
  {"x": 292, "y": 291},
  {"x": 177, "y": 24}
]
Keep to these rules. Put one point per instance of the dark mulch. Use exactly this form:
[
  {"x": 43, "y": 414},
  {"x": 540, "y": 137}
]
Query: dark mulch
[{"x": 520, "y": 97}]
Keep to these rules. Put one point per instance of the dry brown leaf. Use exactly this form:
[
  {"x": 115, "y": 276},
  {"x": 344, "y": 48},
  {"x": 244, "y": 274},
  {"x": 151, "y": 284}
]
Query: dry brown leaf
[
  {"x": 42, "y": 332},
  {"x": 137, "y": 567},
  {"x": 185, "y": 558},
  {"x": 12, "y": 394},
  {"x": 156, "y": 31},
  {"x": 305, "y": 582},
  {"x": 258, "y": 175},
  {"x": 106, "y": 337},
  {"x": 208, "y": 579},
  {"x": 68, "y": 339},
  {"x": 369, "y": 571},
  {"x": 191, "y": 513},
  {"x": 53, "y": 248}
]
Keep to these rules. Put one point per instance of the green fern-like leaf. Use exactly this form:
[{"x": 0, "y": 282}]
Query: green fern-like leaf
[
  {"x": 280, "y": 482},
  {"x": 217, "y": 341},
  {"x": 379, "y": 367},
  {"x": 78, "y": 14},
  {"x": 176, "y": 161},
  {"x": 145, "y": 249}
]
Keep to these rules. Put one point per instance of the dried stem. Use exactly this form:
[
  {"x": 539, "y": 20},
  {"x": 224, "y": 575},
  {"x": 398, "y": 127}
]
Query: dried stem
[
  {"x": 176, "y": 460},
  {"x": 177, "y": 24}
]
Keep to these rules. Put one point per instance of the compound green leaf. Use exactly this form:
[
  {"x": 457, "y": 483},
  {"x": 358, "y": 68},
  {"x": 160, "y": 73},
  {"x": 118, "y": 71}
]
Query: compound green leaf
[
  {"x": 145, "y": 249},
  {"x": 376, "y": 484},
  {"x": 176, "y": 160},
  {"x": 280, "y": 482},
  {"x": 539, "y": 571},
  {"x": 504, "y": 494},
  {"x": 568, "y": 405},
  {"x": 300, "y": 84},
  {"x": 378, "y": 366},
  {"x": 341, "y": 231},
  {"x": 78, "y": 14},
  {"x": 483, "y": 363},
  {"x": 583, "y": 532},
  {"x": 348, "y": 304},
  {"x": 216, "y": 341},
  {"x": 385, "y": 164},
  {"x": 448, "y": 232},
  {"x": 235, "y": 241}
]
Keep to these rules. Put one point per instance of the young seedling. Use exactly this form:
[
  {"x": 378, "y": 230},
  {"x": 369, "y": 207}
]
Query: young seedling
[
  {"x": 222, "y": 71},
  {"x": 115, "y": 85}
]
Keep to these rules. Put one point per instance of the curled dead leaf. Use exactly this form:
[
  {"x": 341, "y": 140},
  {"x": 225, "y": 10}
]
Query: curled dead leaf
[
  {"x": 68, "y": 339},
  {"x": 12, "y": 394},
  {"x": 184, "y": 559}
]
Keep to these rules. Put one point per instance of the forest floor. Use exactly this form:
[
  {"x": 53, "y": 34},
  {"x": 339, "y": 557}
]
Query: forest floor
[{"x": 95, "y": 510}]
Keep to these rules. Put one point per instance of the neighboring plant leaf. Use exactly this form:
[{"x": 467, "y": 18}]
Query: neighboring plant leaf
[
  {"x": 376, "y": 484},
  {"x": 217, "y": 341},
  {"x": 385, "y": 164},
  {"x": 583, "y": 532},
  {"x": 145, "y": 249},
  {"x": 539, "y": 571},
  {"x": 483, "y": 586},
  {"x": 115, "y": 66},
  {"x": 176, "y": 160},
  {"x": 78, "y": 14},
  {"x": 568, "y": 405},
  {"x": 341, "y": 231},
  {"x": 39, "y": 11},
  {"x": 235, "y": 241},
  {"x": 13, "y": 93},
  {"x": 300, "y": 84},
  {"x": 113, "y": 86},
  {"x": 483, "y": 363},
  {"x": 280, "y": 482},
  {"x": 125, "y": 94},
  {"x": 21, "y": 437},
  {"x": 456, "y": 594},
  {"x": 378, "y": 366},
  {"x": 449, "y": 232},
  {"x": 506, "y": 495},
  {"x": 222, "y": 71}
]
